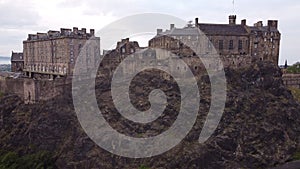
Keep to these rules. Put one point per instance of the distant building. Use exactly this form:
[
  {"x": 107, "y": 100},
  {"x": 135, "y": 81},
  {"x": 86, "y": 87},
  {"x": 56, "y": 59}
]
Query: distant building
[
  {"x": 237, "y": 44},
  {"x": 52, "y": 54},
  {"x": 17, "y": 62}
]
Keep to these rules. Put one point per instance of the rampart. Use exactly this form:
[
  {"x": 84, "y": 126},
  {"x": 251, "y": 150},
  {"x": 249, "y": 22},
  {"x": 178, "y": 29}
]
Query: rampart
[
  {"x": 291, "y": 80},
  {"x": 31, "y": 90}
]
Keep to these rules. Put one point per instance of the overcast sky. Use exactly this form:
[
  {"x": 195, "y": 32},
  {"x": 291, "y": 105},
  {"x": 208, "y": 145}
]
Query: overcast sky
[{"x": 19, "y": 18}]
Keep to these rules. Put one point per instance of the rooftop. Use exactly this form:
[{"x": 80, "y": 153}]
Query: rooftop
[
  {"x": 17, "y": 56},
  {"x": 64, "y": 32}
]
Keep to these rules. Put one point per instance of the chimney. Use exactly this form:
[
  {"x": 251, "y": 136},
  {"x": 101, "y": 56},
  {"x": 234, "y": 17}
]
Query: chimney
[
  {"x": 196, "y": 22},
  {"x": 75, "y": 30},
  {"x": 83, "y": 30},
  {"x": 172, "y": 26},
  {"x": 244, "y": 22},
  {"x": 273, "y": 24},
  {"x": 259, "y": 24},
  {"x": 232, "y": 19},
  {"x": 127, "y": 40},
  {"x": 92, "y": 32},
  {"x": 159, "y": 31}
]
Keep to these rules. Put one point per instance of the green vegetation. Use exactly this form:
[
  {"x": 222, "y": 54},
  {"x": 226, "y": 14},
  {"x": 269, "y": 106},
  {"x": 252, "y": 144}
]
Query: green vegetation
[
  {"x": 294, "y": 69},
  {"x": 1, "y": 94},
  {"x": 39, "y": 160},
  {"x": 296, "y": 93},
  {"x": 143, "y": 167},
  {"x": 296, "y": 156}
]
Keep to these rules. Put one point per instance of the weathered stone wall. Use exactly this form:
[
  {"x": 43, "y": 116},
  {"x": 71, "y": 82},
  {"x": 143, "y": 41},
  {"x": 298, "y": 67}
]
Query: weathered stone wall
[
  {"x": 9, "y": 85},
  {"x": 291, "y": 80},
  {"x": 48, "y": 89},
  {"x": 56, "y": 52},
  {"x": 32, "y": 91}
]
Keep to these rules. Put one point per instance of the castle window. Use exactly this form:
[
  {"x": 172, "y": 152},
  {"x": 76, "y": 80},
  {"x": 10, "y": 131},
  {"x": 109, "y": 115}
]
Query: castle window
[
  {"x": 240, "y": 44},
  {"x": 255, "y": 45},
  {"x": 221, "y": 45},
  {"x": 271, "y": 39},
  {"x": 230, "y": 44},
  {"x": 123, "y": 50}
]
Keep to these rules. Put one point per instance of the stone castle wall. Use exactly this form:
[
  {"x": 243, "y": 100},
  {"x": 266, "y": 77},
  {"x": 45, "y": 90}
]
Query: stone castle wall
[
  {"x": 291, "y": 80},
  {"x": 9, "y": 85},
  {"x": 32, "y": 91}
]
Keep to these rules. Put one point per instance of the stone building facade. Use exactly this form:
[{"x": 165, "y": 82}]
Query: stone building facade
[
  {"x": 135, "y": 58},
  {"x": 17, "y": 62},
  {"x": 112, "y": 58},
  {"x": 236, "y": 44},
  {"x": 54, "y": 53}
]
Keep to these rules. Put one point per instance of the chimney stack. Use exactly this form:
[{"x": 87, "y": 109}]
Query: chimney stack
[
  {"x": 196, "y": 22},
  {"x": 83, "y": 30},
  {"x": 172, "y": 26},
  {"x": 244, "y": 22},
  {"x": 92, "y": 32},
  {"x": 159, "y": 31},
  {"x": 232, "y": 19},
  {"x": 273, "y": 24},
  {"x": 75, "y": 30},
  {"x": 259, "y": 24}
]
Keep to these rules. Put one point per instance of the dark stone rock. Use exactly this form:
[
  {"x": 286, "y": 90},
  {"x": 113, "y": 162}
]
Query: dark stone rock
[{"x": 259, "y": 127}]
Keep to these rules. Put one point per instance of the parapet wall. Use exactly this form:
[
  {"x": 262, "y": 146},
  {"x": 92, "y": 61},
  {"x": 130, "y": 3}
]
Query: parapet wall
[
  {"x": 32, "y": 91},
  {"x": 10, "y": 85},
  {"x": 291, "y": 80}
]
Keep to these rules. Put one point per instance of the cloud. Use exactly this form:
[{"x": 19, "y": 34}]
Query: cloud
[{"x": 17, "y": 14}]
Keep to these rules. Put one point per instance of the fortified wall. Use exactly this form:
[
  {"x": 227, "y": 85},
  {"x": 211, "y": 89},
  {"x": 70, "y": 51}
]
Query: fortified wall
[
  {"x": 291, "y": 80},
  {"x": 31, "y": 90}
]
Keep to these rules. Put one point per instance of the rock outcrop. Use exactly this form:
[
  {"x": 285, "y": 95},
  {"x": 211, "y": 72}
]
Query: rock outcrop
[{"x": 259, "y": 127}]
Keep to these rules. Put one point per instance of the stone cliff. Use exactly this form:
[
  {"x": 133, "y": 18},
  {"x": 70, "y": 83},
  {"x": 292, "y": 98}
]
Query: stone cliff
[{"x": 259, "y": 128}]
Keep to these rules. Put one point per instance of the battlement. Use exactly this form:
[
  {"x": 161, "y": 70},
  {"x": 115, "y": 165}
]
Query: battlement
[{"x": 64, "y": 32}]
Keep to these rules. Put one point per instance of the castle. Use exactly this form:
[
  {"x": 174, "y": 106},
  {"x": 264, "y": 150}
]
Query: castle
[
  {"x": 54, "y": 54},
  {"x": 237, "y": 44}
]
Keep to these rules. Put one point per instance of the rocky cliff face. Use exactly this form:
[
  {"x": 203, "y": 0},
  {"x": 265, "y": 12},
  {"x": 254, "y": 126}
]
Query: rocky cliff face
[{"x": 259, "y": 128}]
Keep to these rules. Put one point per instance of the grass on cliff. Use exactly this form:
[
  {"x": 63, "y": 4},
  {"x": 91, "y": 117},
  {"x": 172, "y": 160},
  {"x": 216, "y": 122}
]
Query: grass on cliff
[
  {"x": 294, "y": 69},
  {"x": 143, "y": 167},
  {"x": 39, "y": 160},
  {"x": 296, "y": 156},
  {"x": 296, "y": 93}
]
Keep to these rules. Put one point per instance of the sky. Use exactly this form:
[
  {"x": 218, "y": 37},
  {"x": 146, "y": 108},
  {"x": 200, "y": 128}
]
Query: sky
[{"x": 19, "y": 18}]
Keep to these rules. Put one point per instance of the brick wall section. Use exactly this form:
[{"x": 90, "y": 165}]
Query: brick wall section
[
  {"x": 32, "y": 91},
  {"x": 291, "y": 80},
  {"x": 9, "y": 85}
]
